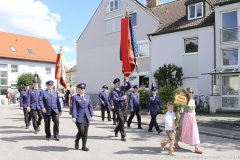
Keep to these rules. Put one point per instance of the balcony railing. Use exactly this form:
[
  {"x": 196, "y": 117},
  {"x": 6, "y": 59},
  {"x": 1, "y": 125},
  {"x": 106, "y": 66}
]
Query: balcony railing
[{"x": 229, "y": 35}]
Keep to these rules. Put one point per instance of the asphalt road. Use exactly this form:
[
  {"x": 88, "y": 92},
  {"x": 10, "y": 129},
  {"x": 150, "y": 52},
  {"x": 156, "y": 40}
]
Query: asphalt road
[{"x": 18, "y": 143}]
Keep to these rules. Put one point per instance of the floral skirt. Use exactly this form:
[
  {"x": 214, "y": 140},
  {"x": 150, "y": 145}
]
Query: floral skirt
[{"x": 190, "y": 134}]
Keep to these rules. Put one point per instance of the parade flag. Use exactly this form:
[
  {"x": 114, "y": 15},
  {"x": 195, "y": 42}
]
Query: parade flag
[
  {"x": 128, "y": 47},
  {"x": 60, "y": 70}
]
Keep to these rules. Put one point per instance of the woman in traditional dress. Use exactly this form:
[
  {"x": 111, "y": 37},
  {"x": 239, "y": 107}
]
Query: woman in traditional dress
[{"x": 188, "y": 130}]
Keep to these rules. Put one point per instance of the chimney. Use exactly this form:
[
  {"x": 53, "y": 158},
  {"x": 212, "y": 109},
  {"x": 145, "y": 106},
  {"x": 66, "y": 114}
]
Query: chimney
[{"x": 153, "y": 3}]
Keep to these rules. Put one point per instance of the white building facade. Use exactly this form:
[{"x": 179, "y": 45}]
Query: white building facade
[
  {"x": 98, "y": 47},
  {"x": 227, "y": 72},
  {"x": 11, "y": 69}
]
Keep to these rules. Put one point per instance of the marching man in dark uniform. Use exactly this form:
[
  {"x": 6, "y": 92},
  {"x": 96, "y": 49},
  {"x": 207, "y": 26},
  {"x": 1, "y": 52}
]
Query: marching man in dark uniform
[
  {"x": 134, "y": 104},
  {"x": 104, "y": 99},
  {"x": 24, "y": 104},
  {"x": 119, "y": 103},
  {"x": 35, "y": 104},
  {"x": 82, "y": 115},
  {"x": 51, "y": 110},
  {"x": 154, "y": 103}
]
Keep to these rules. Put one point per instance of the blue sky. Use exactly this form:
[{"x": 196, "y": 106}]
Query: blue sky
[{"x": 60, "y": 21}]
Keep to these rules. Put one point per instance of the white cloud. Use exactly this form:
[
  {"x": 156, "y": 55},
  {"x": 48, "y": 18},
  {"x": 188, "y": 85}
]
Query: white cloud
[
  {"x": 71, "y": 63},
  {"x": 29, "y": 17},
  {"x": 65, "y": 49}
]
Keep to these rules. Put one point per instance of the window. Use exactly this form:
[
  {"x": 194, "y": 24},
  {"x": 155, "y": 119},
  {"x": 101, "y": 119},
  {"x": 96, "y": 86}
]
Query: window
[
  {"x": 230, "y": 91},
  {"x": 3, "y": 78},
  {"x": 229, "y": 26},
  {"x": 30, "y": 51},
  {"x": 195, "y": 11},
  {"x": 13, "y": 49},
  {"x": 3, "y": 90},
  {"x": 14, "y": 68},
  {"x": 113, "y": 25},
  {"x": 133, "y": 17},
  {"x": 230, "y": 57},
  {"x": 143, "y": 49},
  {"x": 144, "y": 81},
  {"x": 48, "y": 70},
  {"x": 191, "y": 45},
  {"x": 114, "y": 5}
]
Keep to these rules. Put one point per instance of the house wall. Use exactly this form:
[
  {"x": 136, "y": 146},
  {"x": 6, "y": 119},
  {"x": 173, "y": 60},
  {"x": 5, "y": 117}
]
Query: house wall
[
  {"x": 169, "y": 48},
  {"x": 26, "y": 67},
  {"x": 98, "y": 53}
]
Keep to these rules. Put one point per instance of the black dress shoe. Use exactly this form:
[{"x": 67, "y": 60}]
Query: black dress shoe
[
  {"x": 48, "y": 138},
  {"x": 123, "y": 139},
  {"x": 56, "y": 138},
  {"x": 76, "y": 145},
  {"x": 140, "y": 128},
  {"x": 85, "y": 149},
  {"x": 116, "y": 134},
  {"x": 128, "y": 125},
  {"x": 159, "y": 131},
  {"x": 114, "y": 123},
  {"x": 36, "y": 131},
  {"x": 109, "y": 120}
]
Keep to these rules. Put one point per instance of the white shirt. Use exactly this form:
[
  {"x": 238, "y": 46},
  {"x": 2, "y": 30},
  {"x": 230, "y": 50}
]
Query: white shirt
[{"x": 169, "y": 120}]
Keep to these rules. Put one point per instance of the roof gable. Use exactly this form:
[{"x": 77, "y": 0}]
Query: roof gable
[
  {"x": 27, "y": 48},
  {"x": 173, "y": 17}
]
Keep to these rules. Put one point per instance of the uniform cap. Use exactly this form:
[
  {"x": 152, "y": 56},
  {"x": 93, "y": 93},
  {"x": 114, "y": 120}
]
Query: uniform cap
[
  {"x": 116, "y": 80},
  {"x": 35, "y": 81},
  {"x": 104, "y": 86},
  {"x": 154, "y": 89},
  {"x": 26, "y": 84},
  {"x": 135, "y": 86},
  {"x": 50, "y": 83},
  {"x": 81, "y": 85}
]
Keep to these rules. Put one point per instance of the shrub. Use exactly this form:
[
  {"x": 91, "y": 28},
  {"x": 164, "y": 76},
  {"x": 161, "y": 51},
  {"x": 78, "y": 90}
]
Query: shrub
[{"x": 25, "y": 77}]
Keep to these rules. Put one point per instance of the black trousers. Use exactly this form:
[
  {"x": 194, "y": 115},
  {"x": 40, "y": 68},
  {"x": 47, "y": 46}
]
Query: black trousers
[
  {"x": 82, "y": 133},
  {"x": 36, "y": 118},
  {"x": 103, "y": 109},
  {"x": 27, "y": 116},
  {"x": 121, "y": 118},
  {"x": 114, "y": 115},
  {"x": 154, "y": 123},
  {"x": 131, "y": 117},
  {"x": 47, "y": 121}
]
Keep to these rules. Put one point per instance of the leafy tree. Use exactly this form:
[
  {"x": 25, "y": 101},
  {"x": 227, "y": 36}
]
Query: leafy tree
[
  {"x": 144, "y": 94},
  {"x": 169, "y": 75},
  {"x": 26, "y": 77},
  {"x": 166, "y": 94}
]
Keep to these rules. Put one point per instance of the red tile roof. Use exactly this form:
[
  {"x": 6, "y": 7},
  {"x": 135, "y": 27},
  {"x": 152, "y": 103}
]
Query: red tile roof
[{"x": 41, "y": 48}]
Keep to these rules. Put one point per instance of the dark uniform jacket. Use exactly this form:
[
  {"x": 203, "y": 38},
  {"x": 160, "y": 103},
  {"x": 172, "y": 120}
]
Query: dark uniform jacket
[
  {"x": 118, "y": 101},
  {"x": 51, "y": 102}
]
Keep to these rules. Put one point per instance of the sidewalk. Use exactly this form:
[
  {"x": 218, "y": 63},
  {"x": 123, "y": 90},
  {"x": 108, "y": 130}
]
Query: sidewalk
[{"x": 226, "y": 126}]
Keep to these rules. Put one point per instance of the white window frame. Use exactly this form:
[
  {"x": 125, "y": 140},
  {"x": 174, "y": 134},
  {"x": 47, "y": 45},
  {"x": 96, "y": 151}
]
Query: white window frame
[
  {"x": 230, "y": 66},
  {"x": 229, "y": 96},
  {"x": 14, "y": 65},
  {"x": 143, "y": 42},
  {"x": 195, "y": 17},
  {"x": 46, "y": 70},
  {"x": 184, "y": 47},
  {"x": 114, "y": 30},
  {"x": 221, "y": 27},
  {"x": 134, "y": 12},
  {"x": 137, "y": 78},
  {"x": 108, "y": 9}
]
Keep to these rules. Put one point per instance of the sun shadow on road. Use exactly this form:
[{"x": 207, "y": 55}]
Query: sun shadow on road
[
  {"x": 31, "y": 138},
  {"x": 48, "y": 148},
  {"x": 141, "y": 150}
]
